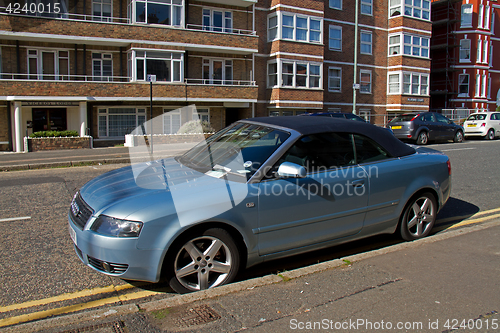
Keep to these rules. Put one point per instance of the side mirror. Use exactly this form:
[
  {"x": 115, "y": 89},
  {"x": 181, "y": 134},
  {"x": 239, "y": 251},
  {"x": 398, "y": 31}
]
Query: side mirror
[{"x": 288, "y": 169}]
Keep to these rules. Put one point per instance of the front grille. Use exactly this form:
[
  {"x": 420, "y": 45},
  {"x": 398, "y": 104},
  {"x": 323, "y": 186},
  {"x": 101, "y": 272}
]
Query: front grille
[
  {"x": 79, "y": 211},
  {"x": 107, "y": 267}
]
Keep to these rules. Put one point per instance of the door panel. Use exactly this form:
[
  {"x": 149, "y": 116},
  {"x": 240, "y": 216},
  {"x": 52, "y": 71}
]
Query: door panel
[{"x": 48, "y": 65}]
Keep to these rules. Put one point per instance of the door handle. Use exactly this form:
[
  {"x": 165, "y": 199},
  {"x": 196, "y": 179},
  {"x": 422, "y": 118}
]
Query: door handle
[{"x": 358, "y": 183}]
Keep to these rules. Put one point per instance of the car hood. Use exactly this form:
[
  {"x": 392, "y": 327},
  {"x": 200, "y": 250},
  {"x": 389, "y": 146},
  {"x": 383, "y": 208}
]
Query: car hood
[{"x": 164, "y": 183}]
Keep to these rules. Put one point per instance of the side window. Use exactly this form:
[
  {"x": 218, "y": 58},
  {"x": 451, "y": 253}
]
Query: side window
[
  {"x": 442, "y": 119},
  {"x": 368, "y": 150},
  {"x": 428, "y": 117},
  {"x": 321, "y": 152}
]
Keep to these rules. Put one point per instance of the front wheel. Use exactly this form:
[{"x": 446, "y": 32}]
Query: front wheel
[
  {"x": 490, "y": 135},
  {"x": 418, "y": 217},
  {"x": 423, "y": 138},
  {"x": 201, "y": 261},
  {"x": 459, "y": 137}
]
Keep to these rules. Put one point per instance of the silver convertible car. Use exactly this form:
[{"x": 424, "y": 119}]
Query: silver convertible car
[{"x": 260, "y": 189}]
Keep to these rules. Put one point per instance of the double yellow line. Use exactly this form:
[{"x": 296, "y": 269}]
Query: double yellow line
[
  {"x": 467, "y": 220},
  {"x": 71, "y": 308}
]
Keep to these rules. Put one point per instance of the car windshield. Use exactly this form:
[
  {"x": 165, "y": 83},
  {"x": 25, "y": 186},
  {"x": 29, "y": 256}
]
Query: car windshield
[
  {"x": 237, "y": 151},
  {"x": 403, "y": 117},
  {"x": 477, "y": 117}
]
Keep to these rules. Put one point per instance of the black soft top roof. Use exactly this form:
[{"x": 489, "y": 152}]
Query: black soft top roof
[{"x": 312, "y": 125}]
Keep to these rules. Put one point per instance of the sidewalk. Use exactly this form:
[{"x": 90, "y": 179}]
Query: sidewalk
[
  {"x": 73, "y": 157},
  {"x": 438, "y": 284}
]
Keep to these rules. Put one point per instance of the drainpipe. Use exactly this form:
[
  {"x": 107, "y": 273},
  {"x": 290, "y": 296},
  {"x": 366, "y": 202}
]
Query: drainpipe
[{"x": 355, "y": 86}]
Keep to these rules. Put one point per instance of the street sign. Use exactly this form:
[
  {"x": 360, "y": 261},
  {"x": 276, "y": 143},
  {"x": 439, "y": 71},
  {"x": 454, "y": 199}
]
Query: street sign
[{"x": 151, "y": 78}]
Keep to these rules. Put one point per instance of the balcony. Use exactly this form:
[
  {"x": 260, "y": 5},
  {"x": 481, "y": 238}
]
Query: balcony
[{"x": 117, "y": 87}]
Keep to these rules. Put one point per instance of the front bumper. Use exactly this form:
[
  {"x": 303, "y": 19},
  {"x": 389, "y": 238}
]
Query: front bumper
[{"x": 116, "y": 256}]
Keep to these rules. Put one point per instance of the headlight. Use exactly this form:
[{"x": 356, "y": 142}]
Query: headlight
[{"x": 110, "y": 226}]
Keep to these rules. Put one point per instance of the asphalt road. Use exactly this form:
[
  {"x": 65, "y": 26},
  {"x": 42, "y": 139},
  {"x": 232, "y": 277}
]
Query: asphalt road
[{"x": 38, "y": 261}]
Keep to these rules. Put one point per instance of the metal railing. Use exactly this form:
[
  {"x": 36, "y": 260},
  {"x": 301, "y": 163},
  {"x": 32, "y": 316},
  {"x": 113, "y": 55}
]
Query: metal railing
[
  {"x": 220, "y": 82},
  {"x": 71, "y": 17},
  {"x": 221, "y": 30}
]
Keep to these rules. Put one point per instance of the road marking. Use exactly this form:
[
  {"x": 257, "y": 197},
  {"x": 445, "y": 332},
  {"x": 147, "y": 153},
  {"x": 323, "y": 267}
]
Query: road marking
[
  {"x": 65, "y": 297},
  {"x": 15, "y": 219},
  {"x": 458, "y": 149},
  {"x": 73, "y": 308},
  {"x": 467, "y": 220}
]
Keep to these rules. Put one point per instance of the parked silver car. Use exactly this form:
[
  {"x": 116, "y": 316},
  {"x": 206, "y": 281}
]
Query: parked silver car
[{"x": 261, "y": 189}]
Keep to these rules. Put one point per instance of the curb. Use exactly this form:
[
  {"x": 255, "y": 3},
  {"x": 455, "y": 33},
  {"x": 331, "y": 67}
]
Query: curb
[
  {"x": 89, "y": 316},
  {"x": 38, "y": 166}
]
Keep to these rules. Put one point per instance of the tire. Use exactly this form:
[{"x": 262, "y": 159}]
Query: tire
[
  {"x": 423, "y": 138},
  {"x": 201, "y": 261},
  {"x": 418, "y": 217},
  {"x": 459, "y": 137},
  {"x": 490, "y": 135}
]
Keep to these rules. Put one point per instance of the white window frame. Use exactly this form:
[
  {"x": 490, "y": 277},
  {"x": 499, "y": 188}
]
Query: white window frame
[
  {"x": 280, "y": 26},
  {"x": 202, "y": 113},
  {"x": 400, "y": 48},
  {"x": 338, "y": 28},
  {"x": 485, "y": 51},
  {"x": 102, "y": 4},
  {"x": 364, "y": 84},
  {"x": 394, "y": 88},
  {"x": 227, "y": 69},
  {"x": 38, "y": 55},
  {"x": 365, "y": 43},
  {"x": 280, "y": 82},
  {"x": 480, "y": 18},
  {"x": 102, "y": 58},
  {"x": 478, "y": 86},
  {"x": 484, "y": 85},
  {"x": 412, "y": 9},
  {"x": 365, "y": 114},
  {"x": 335, "y": 89},
  {"x": 135, "y": 55},
  {"x": 169, "y": 113},
  {"x": 228, "y": 28},
  {"x": 366, "y": 7},
  {"x": 487, "y": 18},
  {"x": 132, "y": 10},
  {"x": 466, "y": 16},
  {"x": 285, "y": 113},
  {"x": 395, "y": 8},
  {"x": 408, "y": 87},
  {"x": 464, "y": 94},
  {"x": 335, "y": 7},
  {"x": 465, "y": 45},
  {"x": 479, "y": 51},
  {"x": 104, "y": 114}
]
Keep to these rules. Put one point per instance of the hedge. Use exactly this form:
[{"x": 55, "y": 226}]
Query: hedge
[{"x": 53, "y": 134}]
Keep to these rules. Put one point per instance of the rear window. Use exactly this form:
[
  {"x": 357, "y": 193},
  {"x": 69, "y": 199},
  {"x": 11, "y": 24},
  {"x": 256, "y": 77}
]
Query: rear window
[
  {"x": 477, "y": 117},
  {"x": 403, "y": 117}
]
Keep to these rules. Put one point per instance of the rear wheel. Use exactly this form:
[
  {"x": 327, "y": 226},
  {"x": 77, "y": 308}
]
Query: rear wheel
[
  {"x": 418, "y": 217},
  {"x": 423, "y": 138},
  {"x": 490, "y": 135},
  {"x": 459, "y": 137},
  {"x": 202, "y": 261}
]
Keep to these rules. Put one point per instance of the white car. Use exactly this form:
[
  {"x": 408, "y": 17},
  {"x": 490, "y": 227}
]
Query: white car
[{"x": 485, "y": 124}]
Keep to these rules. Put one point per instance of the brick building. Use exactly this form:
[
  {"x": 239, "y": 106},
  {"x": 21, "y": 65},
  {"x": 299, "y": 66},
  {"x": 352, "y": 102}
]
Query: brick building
[
  {"x": 465, "y": 75},
  {"x": 82, "y": 64}
]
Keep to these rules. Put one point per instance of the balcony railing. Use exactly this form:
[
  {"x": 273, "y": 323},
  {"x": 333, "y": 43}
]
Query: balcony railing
[
  {"x": 221, "y": 30},
  {"x": 123, "y": 79}
]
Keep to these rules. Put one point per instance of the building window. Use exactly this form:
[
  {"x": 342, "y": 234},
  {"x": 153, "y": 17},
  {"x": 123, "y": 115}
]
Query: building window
[
  {"x": 480, "y": 18},
  {"x": 478, "y": 85},
  {"x": 365, "y": 80},
  {"x": 483, "y": 86},
  {"x": 414, "y": 8},
  {"x": 366, "y": 42},
  {"x": 485, "y": 51},
  {"x": 294, "y": 74},
  {"x": 334, "y": 79},
  {"x": 395, "y": 45},
  {"x": 171, "y": 121},
  {"x": 166, "y": 12},
  {"x": 365, "y": 114},
  {"x": 463, "y": 85},
  {"x": 102, "y": 66},
  {"x": 217, "y": 20},
  {"x": 165, "y": 65},
  {"x": 202, "y": 114},
  {"x": 479, "y": 50},
  {"x": 217, "y": 71},
  {"x": 48, "y": 65},
  {"x": 466, "y": 18},
  {"x": 336, "y": 4},
  {"x": 102, "y": 10},
  {"x": 294, "y": 27},
  {"x": 117, "y": 122},
  {"x": 487, "y": 18},
  {"x": 335, "y": 38},
  {"x": 394, "y": 86},
  {"x": 416, "y": 46},
  {"x": 465, "y": 50},
  {"x": 367, "y": 7},
  {"x": 285, "y": 113}
]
